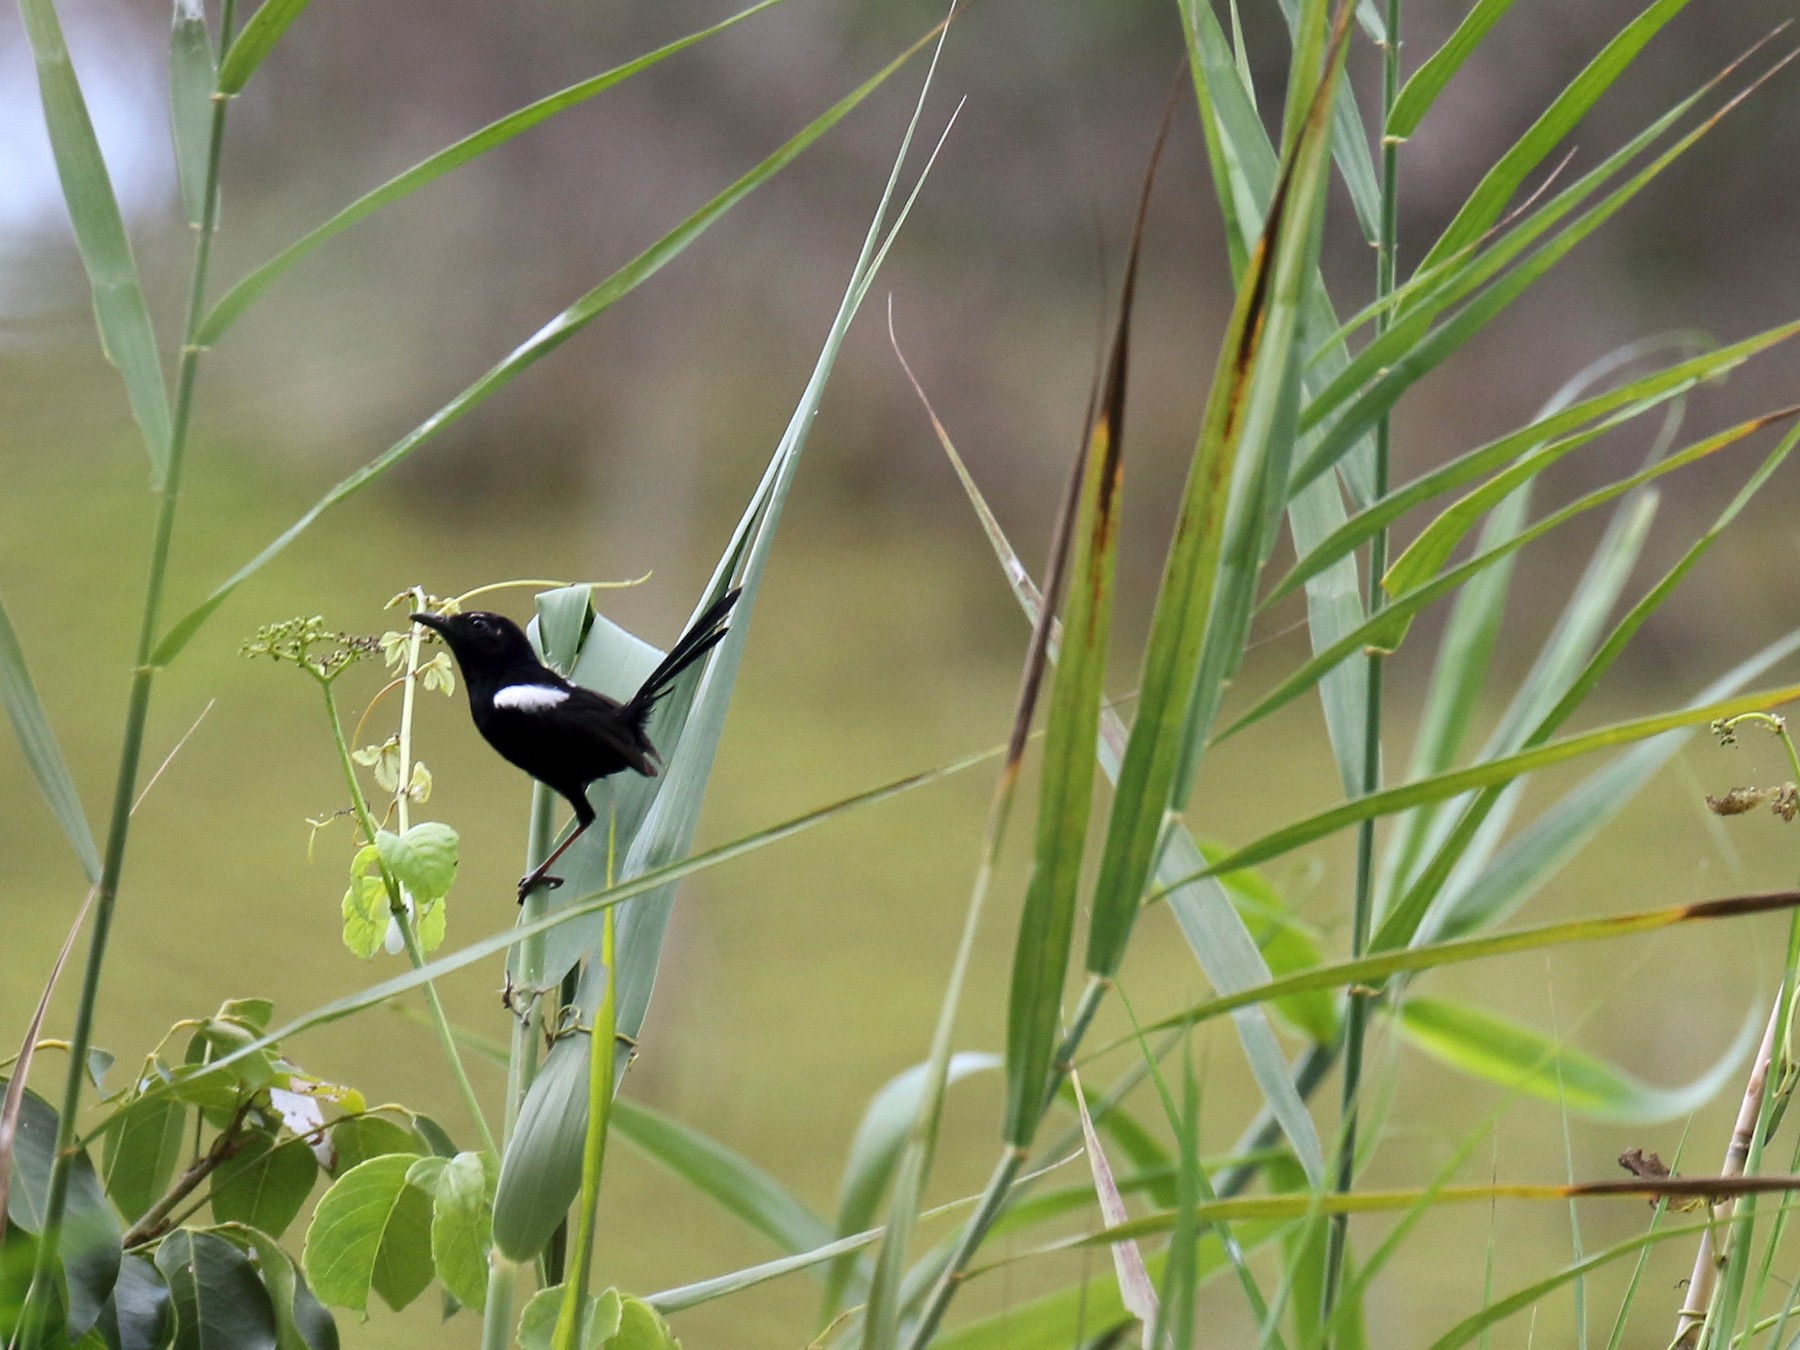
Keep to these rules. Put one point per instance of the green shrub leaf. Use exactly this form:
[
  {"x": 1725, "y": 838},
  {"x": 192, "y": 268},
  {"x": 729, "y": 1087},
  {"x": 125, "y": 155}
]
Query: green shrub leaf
[
  {"x": 371, "y": 1231},
  {"x": 218, "y": 1299},
  {"x": 423, "y": 860}
]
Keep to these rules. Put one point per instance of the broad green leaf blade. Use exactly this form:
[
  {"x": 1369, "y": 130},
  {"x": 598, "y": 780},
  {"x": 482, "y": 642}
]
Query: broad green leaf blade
[
  {"x": 558, "y": 1099},
  {"x": 42, "y": 755},
  {"x": 727, "y": 1178},
  {"x": 265, "y": 1186},
  {"x": 301, "y": 1322},
  {"x": 240, "y": 297},
  {"x": 1066, "y": 786},
  {"x": 1428, "y": 81},
  {"x": 124, "y": 320},
  {"x": 1535, "y": 854},
  {"x": 1432, "y": 956},
  {"x": 215, "y": 1294},
  {"x": 1503, "y": 770},
  {"x": 1496, "y": 188},
  {"x": 874, "y": 1152},
  {"x": 140, "y": 1306},
  {"x": 139, "y": 1156},
  {"x": 371, "y": 1231},
  {"x": 1388, "y": 629},
  {"x": 551, "y": 336},
  {"x": 255, "y": 41},
  {"x": 1252, "y": 397},
  {"x": 190, "y": 104},
  {"x": 1402, "y": 922},
  {"x": 1620, "y": 404},
  {"x": 1520, "y": 1058}
]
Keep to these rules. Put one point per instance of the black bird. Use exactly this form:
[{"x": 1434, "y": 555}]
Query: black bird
[{"x": 561, "y": 734}]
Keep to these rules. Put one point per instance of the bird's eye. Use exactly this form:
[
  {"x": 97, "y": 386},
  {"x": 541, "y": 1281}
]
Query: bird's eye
[{"x": 479, "y": 624}]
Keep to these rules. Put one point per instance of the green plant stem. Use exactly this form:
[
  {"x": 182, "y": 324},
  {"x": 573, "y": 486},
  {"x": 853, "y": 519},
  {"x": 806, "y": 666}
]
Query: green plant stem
[
  {"x": 403, "y": 921},
  {"x": 999, "y": 1186},
  {"x": 1356, "y": 1013},
  {"x": 30, "y": 1328},
  {"x": 525, "y": 971},
  {"x": 567, "y": 1335}
]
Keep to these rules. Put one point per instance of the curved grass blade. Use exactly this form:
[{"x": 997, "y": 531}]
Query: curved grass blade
[
  {"x": 255, "y": 41},
  {"x": 124, "y": 320},
  {"x": 191, "y": 80},
  {"x": 1483, "y": 1044},
  {"x": 1433, "y": 956},
  {"x": 1537, "y": 851},
  {"x": 1496, "y": 771},
  {"x": 1428, "y": 81},
  {"x": 1388, "y": 628},
  {"x": 1496, "y": 188},
  {"x": 1636, "y": 397},
  {"x": 874, "y": 1153},
  {"x": 42, "y": 755},
  {"x": 1253, "y": 396},
  {"x": 1402, "y": 922},
  {"x": 551, "y": 336},
  {"x": 244, "y": 293},
  {"x": 1047, "y": 921}
]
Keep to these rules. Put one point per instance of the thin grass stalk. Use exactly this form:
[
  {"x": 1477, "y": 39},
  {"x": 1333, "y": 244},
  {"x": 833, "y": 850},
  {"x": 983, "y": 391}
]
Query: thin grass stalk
[
  {"x": 1748, "y": 1133},
  {"x": 572, "y": 1313},
  {"x": 525, "y": 973},
  {"x": 1356, "y": 1021},
  {"x": 31, "y": 1322}
]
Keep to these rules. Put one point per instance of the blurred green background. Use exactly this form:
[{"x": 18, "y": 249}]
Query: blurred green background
[{"x": 796, "y": 981}]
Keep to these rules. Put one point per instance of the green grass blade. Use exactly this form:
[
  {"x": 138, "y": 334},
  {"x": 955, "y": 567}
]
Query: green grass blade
[
  {"x": 1498, "y": 771},
  {"x": 1388, "y": 629},
  {"x": 1541, "y": 848},
  {"x": 119, "y": 309},
  {"x": 1437, "y": 955},
  {"x": 243, "y": 294},
  {"x": 190, "y": 104},
  {"x": 1621, "y": 404},
  {"x": 1402, "y": 923},
  {"x": 1252, "y": 395},
  {"x": 255, "y": 41},
  {"x": 1428, "y": 81},
  {"x": 42, "y": 755},
  {"x": 874, "y": 1153},
  {"x": 1047, "y": 921},
  {"x": 1483, "y": 1044},
  {"x": 551, "y": 336},
  {"x": 1497, "y": 187}
]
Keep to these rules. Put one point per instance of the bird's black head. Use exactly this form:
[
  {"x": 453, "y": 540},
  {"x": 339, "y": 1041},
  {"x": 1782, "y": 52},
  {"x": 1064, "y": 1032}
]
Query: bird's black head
[{"x": 482, "y": 640}]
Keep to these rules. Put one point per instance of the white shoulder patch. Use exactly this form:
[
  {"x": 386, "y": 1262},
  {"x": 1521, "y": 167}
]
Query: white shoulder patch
[{"x": 530, "y": 697}]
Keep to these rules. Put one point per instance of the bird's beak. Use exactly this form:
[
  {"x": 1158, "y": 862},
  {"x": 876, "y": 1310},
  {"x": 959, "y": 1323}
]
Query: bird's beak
[{"x": 432, "y": 621}]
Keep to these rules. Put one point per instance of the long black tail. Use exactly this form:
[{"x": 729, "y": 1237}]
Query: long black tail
[{"x": 706, "y": 633}]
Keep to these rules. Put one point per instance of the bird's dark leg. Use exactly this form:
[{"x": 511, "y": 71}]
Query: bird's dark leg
[{"x": 539, "y": 875}]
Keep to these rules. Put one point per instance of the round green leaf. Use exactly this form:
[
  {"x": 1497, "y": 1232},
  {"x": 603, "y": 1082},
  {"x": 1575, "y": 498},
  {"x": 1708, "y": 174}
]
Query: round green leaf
[
  {"x": 218, "y": 1299},
  {"x": 423, "y": 859},
  {"x": 371, "y": 1231},
  {"x": 599, "y": 1324},
  {"x": 266, "y": 1185}
]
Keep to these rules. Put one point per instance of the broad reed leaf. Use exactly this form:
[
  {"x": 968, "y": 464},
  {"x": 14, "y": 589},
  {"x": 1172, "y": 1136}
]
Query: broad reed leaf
[
  {"x": 551, "y": 336},
  {"x": 1535, "y": 853},
  {"x": 42, "y": 755},
  {"x": 1497, "y": 771},
  {"x": 1499, "y": 184},
  {"x": 1388, "y": 629},
  {"x": 1483, "y": 1044},
  {"x": 191, "y": 81},
  {"x": 1066, "y": 786},
  {"x": 124, "y": 320},
  {"x": 1252, "y": 397},
  {"x": 1431, "y": 956},
  {"x": 1627, "y": 401},
  {"x": 874, "y": 1153},
  {"x": 1428, "y": 81},
  {"x": 1402, "y": 922},
  {"x": 526, "y": 1211},
  {"x": 255, "y": 41},
  {"x": 240, "y": 297},
  {"x": 727, "y": 1178}
]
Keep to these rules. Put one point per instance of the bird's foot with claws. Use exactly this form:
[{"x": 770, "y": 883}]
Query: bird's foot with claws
[{"x": 533, "y": 879}]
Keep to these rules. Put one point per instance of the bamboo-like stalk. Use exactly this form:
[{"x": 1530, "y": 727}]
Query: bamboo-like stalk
[
  {"x": 137, "y": 713},
  {"x": 1356, "y": 1015}
]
